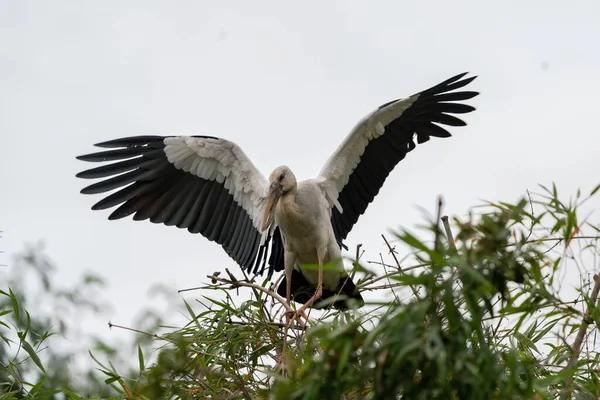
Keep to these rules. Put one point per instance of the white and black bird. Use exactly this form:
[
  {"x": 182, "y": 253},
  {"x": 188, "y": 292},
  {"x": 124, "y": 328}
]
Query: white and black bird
[{"x": 208, "y": 185}]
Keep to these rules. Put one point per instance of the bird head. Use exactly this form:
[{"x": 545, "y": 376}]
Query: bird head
[{"x": 281, "y": 181}]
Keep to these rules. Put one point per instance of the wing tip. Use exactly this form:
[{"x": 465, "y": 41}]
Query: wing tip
[
  {"x": 455, "y": 82},
  {"x": 460, "y": 80},
  {"x": 87, "y": 157},
  {"x": 115, "y": 215},
  {"x": 462, "y": 74},
  {"x": 87, "y": 174},
  {"x": 130, "y": 141},
  {"x": 89, "y": 190}
]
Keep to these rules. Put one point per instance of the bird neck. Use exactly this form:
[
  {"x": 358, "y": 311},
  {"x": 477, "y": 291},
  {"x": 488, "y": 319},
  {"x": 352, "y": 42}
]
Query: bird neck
[{"x": 288, "y": 205}]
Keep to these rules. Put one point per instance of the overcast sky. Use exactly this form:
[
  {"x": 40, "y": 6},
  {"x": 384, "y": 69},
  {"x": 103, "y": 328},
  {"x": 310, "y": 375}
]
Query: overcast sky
[{"x": 287, "y": 83}]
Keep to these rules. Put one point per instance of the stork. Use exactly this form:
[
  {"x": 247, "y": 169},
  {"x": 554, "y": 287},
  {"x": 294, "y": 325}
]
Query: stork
[{"x": 208, "y": 185}]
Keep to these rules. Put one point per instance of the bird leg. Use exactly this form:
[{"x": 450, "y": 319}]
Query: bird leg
[
  {"x": 317, "y": 295},
  {"x": 289, "y": 261},
  {"x": 319, "y": 291}
]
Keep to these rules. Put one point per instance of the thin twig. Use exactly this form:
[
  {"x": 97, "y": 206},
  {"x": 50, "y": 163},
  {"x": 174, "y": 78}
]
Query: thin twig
[
  {"x": 276, "y": 324},
  {"x": 532, "y": 219},
  {"x": 357, "y": 260},
  {"x": 385, "y": 265},
  {"x": 436, "y": 242},
  {"x": 376, "y": 279},
  {"x": 559, "y": 239},
  {"x": 263, "y": 307},
  {"x": 193, "y": 288},
  {"x": 392, "y": 252},
  {"x": 154, "y": 335},
  {"x": 239, "y": 283},
  {"x": 415, "y": 292},
  {"x": 387, "y": 275},
  {"x": 385, "y": 286}
]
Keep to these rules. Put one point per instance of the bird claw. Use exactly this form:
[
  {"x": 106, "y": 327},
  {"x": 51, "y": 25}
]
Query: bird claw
[{"x": 291, "y": 315}]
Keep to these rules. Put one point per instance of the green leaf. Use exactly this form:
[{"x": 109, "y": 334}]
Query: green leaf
[
  {"x": 414, "y": 242},
  {"x": 191, "y": 312},
  {"x": 27, "y": 347},
  {"x": 108, "y": 381},
  {"x": 344, "y": 356},
  {"x": 37, "y": 386},
  {"x": 540, "y": 334},
  {"x": 91, "y": 279},
  {"x": 595, "y": 190},
  {"x": 525, "y": 341},
  {"x": 15, "y": 305},
  {"x": 225, "y": 306},
  {"x": 96, "y": 360},
  {"x": 140, "y": 358}
]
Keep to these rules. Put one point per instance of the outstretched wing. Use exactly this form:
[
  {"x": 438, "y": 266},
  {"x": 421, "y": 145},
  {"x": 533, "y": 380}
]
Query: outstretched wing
[
  {"x": 204, "y": 184},
  {"x": 355, "y": 172}
]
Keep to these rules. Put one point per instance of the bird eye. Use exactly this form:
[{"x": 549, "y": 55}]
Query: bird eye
[{"x": 281, "y": 177}]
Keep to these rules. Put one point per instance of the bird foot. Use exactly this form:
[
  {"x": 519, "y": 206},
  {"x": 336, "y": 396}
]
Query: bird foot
[
  {"x": 283, "y": 365},
  {"x": 291, "y": 315}
]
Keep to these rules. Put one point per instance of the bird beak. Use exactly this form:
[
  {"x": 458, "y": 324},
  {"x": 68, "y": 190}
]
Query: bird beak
[{"x": 272, "y": 199}]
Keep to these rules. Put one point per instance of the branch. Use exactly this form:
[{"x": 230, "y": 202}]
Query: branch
[
  {"x": 237, "y": 283},
  {"x": 585, "y": 323},
  {"x": 449, "y": 235}
]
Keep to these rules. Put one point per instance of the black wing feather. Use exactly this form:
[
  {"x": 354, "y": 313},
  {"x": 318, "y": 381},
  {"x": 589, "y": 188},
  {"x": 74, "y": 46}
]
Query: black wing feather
[
  {"x": 432, "y": 107},
  {"x": 150, "y": 187}
]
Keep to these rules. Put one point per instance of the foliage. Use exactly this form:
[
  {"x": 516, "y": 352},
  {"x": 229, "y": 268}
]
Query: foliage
[
  {"x": 504, "y": 309},
  {"x": 44, "y": 348}
]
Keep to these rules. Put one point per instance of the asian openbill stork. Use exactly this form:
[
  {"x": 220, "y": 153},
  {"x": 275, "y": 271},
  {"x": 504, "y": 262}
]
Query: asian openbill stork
[{"x": 208, "y": 185}]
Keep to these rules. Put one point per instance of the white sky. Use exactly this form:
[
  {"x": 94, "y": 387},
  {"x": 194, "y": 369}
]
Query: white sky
[{"x": 286, "y": 83}]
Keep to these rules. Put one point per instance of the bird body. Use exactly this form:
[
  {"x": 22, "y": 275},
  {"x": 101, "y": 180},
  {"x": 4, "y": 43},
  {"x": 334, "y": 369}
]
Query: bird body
[
  {"x": 208, "y": 185},
  {"x": 298, "y": 215},
  {"x": 299, "y": 209}
]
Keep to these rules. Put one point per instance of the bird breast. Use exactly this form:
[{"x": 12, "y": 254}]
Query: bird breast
[{"x": 303, "y": 217}]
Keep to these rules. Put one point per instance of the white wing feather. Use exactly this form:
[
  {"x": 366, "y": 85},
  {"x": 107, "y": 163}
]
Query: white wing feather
[
  {"x": 223, "y": 161},
  {"x": 338, "y": 168}
]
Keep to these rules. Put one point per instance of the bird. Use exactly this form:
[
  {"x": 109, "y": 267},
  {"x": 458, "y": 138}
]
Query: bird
[{"x": 208, "y": 185}]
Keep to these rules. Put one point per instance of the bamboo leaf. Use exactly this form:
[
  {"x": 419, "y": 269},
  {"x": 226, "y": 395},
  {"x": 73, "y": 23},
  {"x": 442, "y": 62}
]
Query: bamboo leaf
[
  {"x": 141, "y": 358},
  {"x": 27, "y": 347}
]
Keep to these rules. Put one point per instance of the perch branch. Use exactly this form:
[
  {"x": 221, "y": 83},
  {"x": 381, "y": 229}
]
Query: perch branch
[
  {"x": 585, "y": 323},
  {"x": 449, "y": 234},
  {"x": 237, "y": 283}
]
